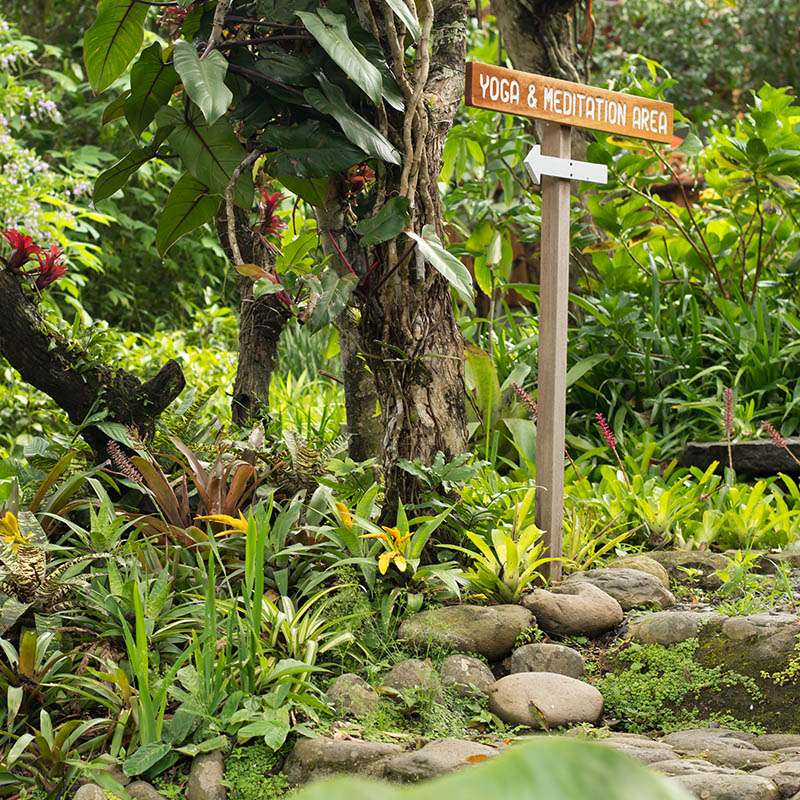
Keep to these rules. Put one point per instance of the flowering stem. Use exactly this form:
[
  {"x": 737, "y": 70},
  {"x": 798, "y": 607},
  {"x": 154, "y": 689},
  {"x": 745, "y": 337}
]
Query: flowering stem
[
  {"x": 610, "y": 440},
  {"x": 339, "y": 251},
  {"x": 728, "y": 394}
]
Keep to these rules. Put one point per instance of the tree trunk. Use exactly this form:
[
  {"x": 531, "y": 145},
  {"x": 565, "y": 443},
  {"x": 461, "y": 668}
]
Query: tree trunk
[
  {"x": 261, "y": 321},
  {"x": 71, "y": 376},
  {"x": 361, "y": 400},
  {"x": 412, "y": 342},
  {"x": 539, "y": 37}
]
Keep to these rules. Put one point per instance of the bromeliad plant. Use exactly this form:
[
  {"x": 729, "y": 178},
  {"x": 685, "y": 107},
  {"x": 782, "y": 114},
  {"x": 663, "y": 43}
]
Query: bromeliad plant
[{"x": 507, "y": 563}]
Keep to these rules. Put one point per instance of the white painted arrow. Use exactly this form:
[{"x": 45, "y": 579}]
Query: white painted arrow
[{"x": 538, "y": 165}]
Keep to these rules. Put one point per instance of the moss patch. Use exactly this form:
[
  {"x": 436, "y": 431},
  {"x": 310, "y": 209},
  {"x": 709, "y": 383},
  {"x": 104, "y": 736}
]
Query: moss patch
[
  {"x": 253, "y": 773},
  {"x": 656, "y": 688}
]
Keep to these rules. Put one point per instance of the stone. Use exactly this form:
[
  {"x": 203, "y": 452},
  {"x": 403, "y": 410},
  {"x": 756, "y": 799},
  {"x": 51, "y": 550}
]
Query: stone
[
  {"x": 142, "y": 790},
  {"x": 544, "y": 700},
  {"x": 547, "y": 658},
  {"x": 574, "y": 610},
  {"x": 642, "y": 563},
  {"x": 705, "y": 562},
  {"x": 786, "y": 776},
  {"x": 435, "y": 758},
  {"x": 320, "y": 757},
  {"x": 665, "y": 627},
  {"x": 724, "y": 755},
  {"x": 206, "y": 776},
  {"x": 692, "y": 766},
  {"x": 760, "y": 457},
  {"x": 715, "y": 786},
  {"x": 468, "y": 675},
  {"x": 351, "y": 695},
  {"x": 631, "y": 588},
  {"x": 754, "y": 646},
  {"x": 414, "y": 675},
  {"x": 89, "y": 791},
  {"x": 644, "y": 755},
  {"x": 777, "y": 741},
  {"x": 487, "y": 630},
  {"x": 710, "y": 737}
]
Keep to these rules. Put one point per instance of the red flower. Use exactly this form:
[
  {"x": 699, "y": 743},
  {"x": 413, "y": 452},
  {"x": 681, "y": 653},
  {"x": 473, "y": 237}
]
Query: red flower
[
  {"x": 49, "y": 267},
  {"x": 24, "y": 250},
  {"x": 270, "y": 223}
]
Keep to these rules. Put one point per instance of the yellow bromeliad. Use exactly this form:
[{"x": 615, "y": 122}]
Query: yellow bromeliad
[
  {"x": 344, "y": 515},
  {"x": 395, "y": 542},
  {"x": 236, "y": 525},
  {"x": 9, "y": 529}
]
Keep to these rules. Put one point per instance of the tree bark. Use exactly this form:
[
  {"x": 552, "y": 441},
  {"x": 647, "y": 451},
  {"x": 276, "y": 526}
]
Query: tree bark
[
  {"x": 340, "y": 242},
  {"x": 539, "y": 37},
  {"x": 261, "y": 321},
  {"x": 412, "y": 342},
  {"x": 71, "y": 376}
]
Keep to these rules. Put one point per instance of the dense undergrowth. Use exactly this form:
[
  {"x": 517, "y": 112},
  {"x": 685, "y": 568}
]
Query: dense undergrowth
[{"x": 199, "y": 591}]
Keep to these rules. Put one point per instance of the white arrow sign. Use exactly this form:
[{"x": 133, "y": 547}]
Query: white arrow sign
[{"x": 538, "y": 165}]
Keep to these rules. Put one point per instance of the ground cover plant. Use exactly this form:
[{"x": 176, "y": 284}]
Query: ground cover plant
[{"x": 270, "y": 200}]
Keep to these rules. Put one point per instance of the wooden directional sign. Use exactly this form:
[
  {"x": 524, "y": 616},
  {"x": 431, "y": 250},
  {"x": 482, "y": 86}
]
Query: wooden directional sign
[
  {"x": 529, "y": 95},
  {"x": 538, "y": 165},
  {"x": 560, "y": 104}
]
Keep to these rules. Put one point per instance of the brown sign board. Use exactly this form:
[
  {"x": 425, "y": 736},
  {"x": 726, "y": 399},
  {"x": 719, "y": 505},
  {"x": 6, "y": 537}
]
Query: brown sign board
[{"x": 540, "y": 97}]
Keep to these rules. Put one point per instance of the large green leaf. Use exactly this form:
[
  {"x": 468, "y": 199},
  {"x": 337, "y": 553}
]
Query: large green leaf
[
  {"x": 386, "y": 224},
  {"x": 443, "y": 262},
  {"x": 116, "y": 108},
  {"x": 116, "y": 176},
  {"x": 204, "y": 80},
  {"x": 355, "y": 127},
  {"x": 547, "y": 768},
  {"x": 481, "y": 379},
  {"x": 113, "y": 40},
  {"x": 281, "y": 66},
  {"x": 152, "y": 82},
  {"x": 145, "y": 757},
  {"x": 308, "y": 150},
  {"x": 406, "y": 17},
  {"x": 330, "y": 30},
  {"x": 189, "y": 206},
  {"x": 336, "y": 291},
  {"x": 210, "y": 152},
  {"x": 312, "y": 190}
]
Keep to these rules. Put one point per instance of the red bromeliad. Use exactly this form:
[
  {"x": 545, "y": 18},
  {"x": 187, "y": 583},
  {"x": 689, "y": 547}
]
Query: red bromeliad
[
  {"x": 49, "y": 267},
  {"x": 24, "y": 251},
  {"x": 271, "y": 223}
]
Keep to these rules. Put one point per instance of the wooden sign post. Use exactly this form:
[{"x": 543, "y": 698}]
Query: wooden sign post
[{"x": 561, "y": 104}]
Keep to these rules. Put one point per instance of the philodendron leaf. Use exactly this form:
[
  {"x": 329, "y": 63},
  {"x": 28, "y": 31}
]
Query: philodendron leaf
[
  {"x": 115, "y": 109},
  {"x": 189, "y": 206},
  {"x": 152, "y": 82},
  {"x": 116, "y": 176},
  {"x": 204, "y": 80},
  {"x": 443, "y": 262},
  {"x": 335, "y": 293},
  {"x": 210, "y": 152},
  {"x": 312, "y": 190},
  {"x": 551, "y": 767},
  {"x": 308, "y": 150},
  {"x": 113, "y": 40},
  {"x": 405, "y": 16},
  {"x": 386, "y": 224},
  {"x": 330, "y": 30},
  {"x": 355, "y": 127}
]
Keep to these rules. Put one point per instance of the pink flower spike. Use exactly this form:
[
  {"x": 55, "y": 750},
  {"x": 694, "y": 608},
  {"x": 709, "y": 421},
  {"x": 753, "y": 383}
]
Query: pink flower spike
[
  {"x": 608, "y": 434},
  {"x": 50, "y": 269},
  {"x": 774, "y": 435}
]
